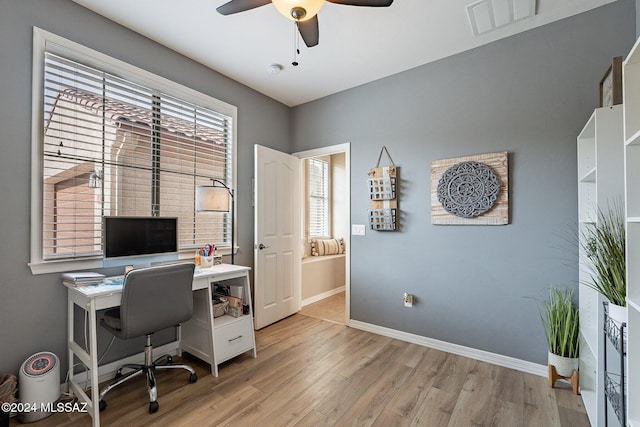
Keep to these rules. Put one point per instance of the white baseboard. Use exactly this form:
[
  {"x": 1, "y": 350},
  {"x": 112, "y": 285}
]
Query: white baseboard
[
  {"x": 481, "y": 355},
  {"x": 322, "y": 296}
]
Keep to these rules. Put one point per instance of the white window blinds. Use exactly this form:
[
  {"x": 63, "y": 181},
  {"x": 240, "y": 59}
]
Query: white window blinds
[
  {"x": 318, "y": 191},
  {"x": 115, "y": 147}
]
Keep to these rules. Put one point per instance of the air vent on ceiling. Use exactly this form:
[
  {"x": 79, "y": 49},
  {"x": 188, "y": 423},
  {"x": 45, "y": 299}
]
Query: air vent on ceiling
[{"x": 487, "y": 15}]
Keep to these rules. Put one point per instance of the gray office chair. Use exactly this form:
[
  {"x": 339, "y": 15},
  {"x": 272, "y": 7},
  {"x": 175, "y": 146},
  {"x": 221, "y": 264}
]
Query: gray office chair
[{"x": 153, "y": 299}]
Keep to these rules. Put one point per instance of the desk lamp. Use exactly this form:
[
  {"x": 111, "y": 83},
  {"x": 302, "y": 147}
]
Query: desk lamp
[{"x": 213, "y": 198}]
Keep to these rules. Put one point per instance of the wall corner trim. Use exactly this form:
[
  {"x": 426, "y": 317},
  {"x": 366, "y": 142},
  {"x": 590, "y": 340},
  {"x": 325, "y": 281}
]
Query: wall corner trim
[{"x": 481, "y": 355}]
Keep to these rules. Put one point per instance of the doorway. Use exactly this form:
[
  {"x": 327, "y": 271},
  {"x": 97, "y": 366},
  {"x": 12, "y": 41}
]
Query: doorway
[{"x": 325, "y": 284}]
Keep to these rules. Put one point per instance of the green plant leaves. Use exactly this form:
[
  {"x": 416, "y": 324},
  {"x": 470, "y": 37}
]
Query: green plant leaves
[
  {"x": 561, "y": 320},
  {"x": 603, "y": 244}
]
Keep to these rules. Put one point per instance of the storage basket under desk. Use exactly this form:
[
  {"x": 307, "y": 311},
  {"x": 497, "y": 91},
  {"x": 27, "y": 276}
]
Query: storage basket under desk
[{"x": 220, "y": 304}]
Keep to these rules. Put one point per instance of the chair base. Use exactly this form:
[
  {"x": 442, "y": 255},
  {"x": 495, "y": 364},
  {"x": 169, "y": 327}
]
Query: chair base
[{"x": 147, "y": 368}]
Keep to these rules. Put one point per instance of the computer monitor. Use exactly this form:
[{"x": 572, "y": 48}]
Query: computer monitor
[{"x": 132, "y": 236}]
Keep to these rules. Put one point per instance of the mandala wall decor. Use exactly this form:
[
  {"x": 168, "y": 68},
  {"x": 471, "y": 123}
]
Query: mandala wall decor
[{"x": 470, "y": 190}]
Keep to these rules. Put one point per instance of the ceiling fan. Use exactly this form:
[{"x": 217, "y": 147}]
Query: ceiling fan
[{"x": 303, "y": 12}]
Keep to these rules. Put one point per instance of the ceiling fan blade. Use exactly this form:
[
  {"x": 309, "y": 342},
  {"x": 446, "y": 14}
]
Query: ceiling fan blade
[
  {"x": 309, "y": 31},
  {"x": 370, "y": 3},
  {"x": 235, "y": 6}
]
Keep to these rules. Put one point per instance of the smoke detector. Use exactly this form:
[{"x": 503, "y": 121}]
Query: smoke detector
[{"x": 274, "y": 68}]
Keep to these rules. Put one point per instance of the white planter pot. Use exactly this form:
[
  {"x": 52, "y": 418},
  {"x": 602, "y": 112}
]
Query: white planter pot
[
  {"x": 618, "y": 313},
  {"x": 564, "y": 365}
]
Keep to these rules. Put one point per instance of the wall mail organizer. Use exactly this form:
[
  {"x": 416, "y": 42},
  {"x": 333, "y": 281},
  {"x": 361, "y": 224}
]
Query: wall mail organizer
[
  {"x": 472, "y": 190},
  {"x": 383, "y": 188},
  {"x": 383, "y": 195},
  {"x": 382, "y": 219}
]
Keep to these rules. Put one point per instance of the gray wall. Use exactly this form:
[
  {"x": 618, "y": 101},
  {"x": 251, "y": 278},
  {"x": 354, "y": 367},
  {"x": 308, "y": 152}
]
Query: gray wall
[
  {"x": 33, "y": 308},
  {"x": 530, "y": 95}
]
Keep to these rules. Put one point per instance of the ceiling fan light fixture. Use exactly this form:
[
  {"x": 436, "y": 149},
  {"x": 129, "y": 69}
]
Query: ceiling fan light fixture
[{"x": 298, "y": 10}]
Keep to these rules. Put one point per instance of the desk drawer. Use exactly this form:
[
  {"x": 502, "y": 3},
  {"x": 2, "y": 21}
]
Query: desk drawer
[{"x": 233, "y": 339}]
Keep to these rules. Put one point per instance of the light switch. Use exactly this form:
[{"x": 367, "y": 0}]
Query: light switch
[{"x": 357, "y": 229}]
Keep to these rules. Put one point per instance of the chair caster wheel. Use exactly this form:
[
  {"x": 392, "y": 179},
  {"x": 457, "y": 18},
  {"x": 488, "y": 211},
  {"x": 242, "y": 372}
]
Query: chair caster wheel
[
  {"x": 102, "y": 405},
  {"x": 169, "y": 360},
  {"x": 153, "y": 407},
  {"x": 193, "y": 378},
  {"x": 117, "y": 376}
]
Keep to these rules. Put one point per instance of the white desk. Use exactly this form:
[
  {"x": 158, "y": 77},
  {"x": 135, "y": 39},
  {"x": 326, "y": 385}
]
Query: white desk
[{"x": 213, "y": 341}]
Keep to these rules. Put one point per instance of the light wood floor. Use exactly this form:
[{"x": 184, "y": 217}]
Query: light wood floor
[
  {"x": 330, "y": 309},
  {"x": 315, "y": 373}
]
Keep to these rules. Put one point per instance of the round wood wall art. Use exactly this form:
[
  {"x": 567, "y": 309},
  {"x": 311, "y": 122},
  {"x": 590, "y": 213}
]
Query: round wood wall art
[{"x": 468, "y": 189}]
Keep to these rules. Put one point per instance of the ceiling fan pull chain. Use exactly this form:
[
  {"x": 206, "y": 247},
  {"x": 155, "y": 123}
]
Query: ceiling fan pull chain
[{"x": 296, "y": 42}]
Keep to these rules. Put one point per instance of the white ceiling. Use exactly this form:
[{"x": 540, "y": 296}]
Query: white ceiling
[{"x": 357, "y": 44}]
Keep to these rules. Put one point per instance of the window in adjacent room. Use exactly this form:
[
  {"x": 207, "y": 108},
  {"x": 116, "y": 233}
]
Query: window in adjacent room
[
  {"x": 115, "y": 140},
  {"x": 318, "y": 217}
]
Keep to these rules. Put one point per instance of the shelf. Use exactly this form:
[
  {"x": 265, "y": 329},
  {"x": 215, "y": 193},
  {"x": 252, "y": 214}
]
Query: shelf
[
  {"x": 226, "y": 319},
  {"x": 634, "y": 55},
  {"x": 590, "y": 345},
  {"x": 631, "y": 84},
  {"x": 633, "y": 304},
  {"x": 633, "y": 139},
  {"x": 633, "y": 268},
  {"x": 590, "y": 324},
  {"x": 590, "y": 176},
  {"x": 631, "y": 96},
  {"x": 587, "y": 148},
  {"x": 632, "y": 176},
  {"x": 589, "y": 382},
  {"x": 587, "y": 200},
  {"x": 588, "y": 132},
  {"x": 600, "y": 155}
]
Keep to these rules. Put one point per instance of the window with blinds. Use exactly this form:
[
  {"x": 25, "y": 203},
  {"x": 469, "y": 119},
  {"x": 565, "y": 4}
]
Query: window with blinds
[
  {"x": 318, "y": 200},
  {"x": 113, "y": 147}
]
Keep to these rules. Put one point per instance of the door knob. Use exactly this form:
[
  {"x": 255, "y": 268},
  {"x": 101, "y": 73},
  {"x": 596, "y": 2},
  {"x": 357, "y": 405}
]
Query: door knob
[{"x": 261, "y": 246}]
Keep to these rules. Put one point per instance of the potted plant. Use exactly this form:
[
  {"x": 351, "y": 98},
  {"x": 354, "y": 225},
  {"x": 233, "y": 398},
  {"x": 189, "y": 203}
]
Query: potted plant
[
  {"x": 603, "y": 244},
  {"x": 561, "y": 328}
]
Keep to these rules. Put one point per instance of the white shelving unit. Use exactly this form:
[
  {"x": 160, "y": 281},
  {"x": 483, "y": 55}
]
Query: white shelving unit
[
  {"x": 600, "y": 184},
  {"x": 631, "y": 95}
]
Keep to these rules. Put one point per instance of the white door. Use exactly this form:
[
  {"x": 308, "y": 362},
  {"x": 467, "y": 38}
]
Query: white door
[{"x": 276, "y": 235}]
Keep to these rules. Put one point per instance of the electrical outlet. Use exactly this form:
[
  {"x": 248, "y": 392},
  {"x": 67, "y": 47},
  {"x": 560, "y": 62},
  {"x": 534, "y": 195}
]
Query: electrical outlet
[{"x": 408, "y": 300}]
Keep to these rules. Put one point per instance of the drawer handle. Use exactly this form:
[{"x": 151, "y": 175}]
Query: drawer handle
[{"x": 236, "y": 338}]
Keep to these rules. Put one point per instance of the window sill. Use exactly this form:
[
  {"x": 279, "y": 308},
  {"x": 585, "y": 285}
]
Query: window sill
[
  {"x": 61, "y": 266},
  {"x": 44, "y": 267}
]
